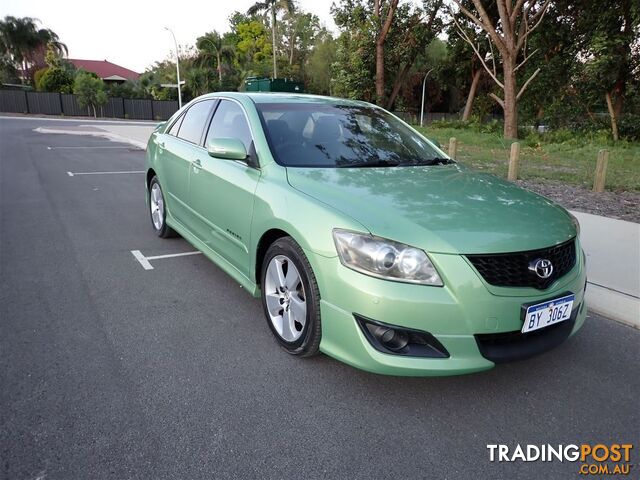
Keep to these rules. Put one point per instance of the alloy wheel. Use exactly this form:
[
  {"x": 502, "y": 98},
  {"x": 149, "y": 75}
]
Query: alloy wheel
[
  {"x": 156, "y": 204},
  {"x": 285, "y": 298}
]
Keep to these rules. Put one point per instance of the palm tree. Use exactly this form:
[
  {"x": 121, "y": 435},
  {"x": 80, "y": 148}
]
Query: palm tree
[
  {"x": 22, "y": 41},
  {"x": 273, "y": 6},
  {"x": 211, "y": 45}
]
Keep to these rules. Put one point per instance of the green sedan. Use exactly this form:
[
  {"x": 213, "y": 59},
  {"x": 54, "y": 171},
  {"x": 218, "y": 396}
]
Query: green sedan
[{"x": 363, "y": 239}]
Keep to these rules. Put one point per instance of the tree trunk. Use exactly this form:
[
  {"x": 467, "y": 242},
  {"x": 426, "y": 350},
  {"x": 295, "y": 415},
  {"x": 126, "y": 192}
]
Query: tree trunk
[
  {"x": 379, "y": 72},
  {"x": 292, "y": 39},
  {"x": 95, "y": 114},
  {"x": 273, "y": 38},
  {"x": 612, "y": 114},
  {"x": 384, "y": 30},
  {"x": 397, "y": 85},
  {"x": 619, "y": 92},
  {"x": 218, "y": 58},
  {"x": 539, "y": 115},
  {"x": 510, "y": 106},
  {"x": 472, "y": 95}
]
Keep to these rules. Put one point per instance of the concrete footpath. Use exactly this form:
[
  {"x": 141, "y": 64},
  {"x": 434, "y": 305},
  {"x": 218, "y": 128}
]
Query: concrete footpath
[
  {"x": 612, "y": 246},
  {"x": 613, "y": 266}
]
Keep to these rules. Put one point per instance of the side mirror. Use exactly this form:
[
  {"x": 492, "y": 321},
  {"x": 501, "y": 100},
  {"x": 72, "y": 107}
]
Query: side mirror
[
  {"x": 436, "y": 143},
  {"x": 227, "y": 148}
]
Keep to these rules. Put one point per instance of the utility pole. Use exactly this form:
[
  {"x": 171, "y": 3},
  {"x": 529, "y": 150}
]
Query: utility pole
[
  {"x": 424, "y": 82},
  {"x": 177, "y": 66}
]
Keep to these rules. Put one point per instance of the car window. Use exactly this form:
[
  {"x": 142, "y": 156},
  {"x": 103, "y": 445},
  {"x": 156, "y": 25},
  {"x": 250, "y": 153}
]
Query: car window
[
  {"x": 229, "y": 121},
  {"x": 175, "y": 127},
  {"x": 194, "y": 121},
  {"x": 342, "y": 135}
]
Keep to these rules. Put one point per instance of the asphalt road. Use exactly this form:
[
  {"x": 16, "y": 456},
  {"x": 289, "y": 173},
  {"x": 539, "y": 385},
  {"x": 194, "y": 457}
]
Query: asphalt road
[{"x": 108, "y": 370}]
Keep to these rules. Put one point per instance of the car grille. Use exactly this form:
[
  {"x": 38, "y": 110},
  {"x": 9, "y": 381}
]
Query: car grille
[{"x": 512, "y": 269}]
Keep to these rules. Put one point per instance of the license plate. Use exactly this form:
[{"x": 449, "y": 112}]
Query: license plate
[{"x": 548, "y": 313}]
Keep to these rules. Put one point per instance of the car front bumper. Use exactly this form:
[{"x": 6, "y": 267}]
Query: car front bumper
[{"x": 457, "y": 315}]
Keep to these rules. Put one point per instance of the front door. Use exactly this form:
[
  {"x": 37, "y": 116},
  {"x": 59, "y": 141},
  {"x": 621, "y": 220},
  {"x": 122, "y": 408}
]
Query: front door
[{"x": 222, "y": 191}]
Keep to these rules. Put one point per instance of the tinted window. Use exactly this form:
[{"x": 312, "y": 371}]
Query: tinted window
[
  {"x": 194, "y": 121},
  {"x": 175, "y": 127},
  {"x": 313, "y": 135},
  {"x": 229, "y": 122}
]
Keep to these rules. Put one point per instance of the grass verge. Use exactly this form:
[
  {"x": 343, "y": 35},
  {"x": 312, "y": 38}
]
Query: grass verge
[{"x": 571, "y": 161}]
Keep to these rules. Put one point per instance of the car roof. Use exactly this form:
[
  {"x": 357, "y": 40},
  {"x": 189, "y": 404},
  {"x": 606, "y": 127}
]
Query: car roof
[{"x": 278, "y": 97}]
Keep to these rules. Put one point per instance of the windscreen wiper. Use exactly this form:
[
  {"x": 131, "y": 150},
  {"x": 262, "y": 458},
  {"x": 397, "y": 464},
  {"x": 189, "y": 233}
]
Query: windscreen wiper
[
  {"x": 436, "y": 161},
  {"x": 372, "y": 164}
]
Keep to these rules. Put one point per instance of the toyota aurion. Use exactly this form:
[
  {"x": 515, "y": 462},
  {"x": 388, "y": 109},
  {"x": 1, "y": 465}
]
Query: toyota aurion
[{"x": 362, "y": 238}]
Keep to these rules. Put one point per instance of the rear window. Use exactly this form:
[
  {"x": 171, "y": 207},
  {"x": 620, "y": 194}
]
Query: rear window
[{"x": 194, "y": 122}]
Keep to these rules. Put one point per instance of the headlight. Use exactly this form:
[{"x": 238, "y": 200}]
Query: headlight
[
  {"x": 576, "y": 223},
  {"x": 386, "y": 259}
]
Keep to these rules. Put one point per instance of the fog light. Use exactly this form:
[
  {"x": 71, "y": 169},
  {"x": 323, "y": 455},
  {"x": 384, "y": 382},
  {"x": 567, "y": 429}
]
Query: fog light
[
  {"x": 396, "y": 340},
  {"x": 389, "y": 337}
]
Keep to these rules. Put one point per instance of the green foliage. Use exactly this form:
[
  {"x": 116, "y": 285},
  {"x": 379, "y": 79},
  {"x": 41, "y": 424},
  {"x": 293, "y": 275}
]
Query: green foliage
[
  {"x": 318, "y": 73},
  {"x": 216, "y": 51},
  {"x": 55, "y": 79},
  {"x": 37, "y": 77},
  {"x": 53, "y": 58},
  {"x": 564, "y": 156},
  {"x": 22, "y": 43},
  {"x": 128, "y": 89},
  {"x": 8, "y": 72},
  {"x": 253, "y": 42},
  {"x": 89, "y": 90},
  {"x": 493, "y": 127}
]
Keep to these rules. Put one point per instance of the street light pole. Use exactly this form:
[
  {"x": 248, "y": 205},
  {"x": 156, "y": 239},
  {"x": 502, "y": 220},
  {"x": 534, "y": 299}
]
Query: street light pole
[
  {"x": 424, "y": 82},
  {"x": 177, "y": 66}
]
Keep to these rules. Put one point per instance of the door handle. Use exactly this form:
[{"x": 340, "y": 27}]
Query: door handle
[{"x": 197, "y": 165}]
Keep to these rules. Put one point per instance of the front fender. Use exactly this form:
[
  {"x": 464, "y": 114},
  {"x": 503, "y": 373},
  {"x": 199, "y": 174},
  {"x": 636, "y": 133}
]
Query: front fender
[{"x": 307, "y": 220}]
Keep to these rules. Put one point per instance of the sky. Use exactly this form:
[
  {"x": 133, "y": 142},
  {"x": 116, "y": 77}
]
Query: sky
[{"x": 130, "y": 33}]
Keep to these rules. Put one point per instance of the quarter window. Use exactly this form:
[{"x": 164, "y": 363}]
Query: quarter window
[
  {"x": 176, "y": 126},
  {"x": 194, "y": 122},
  {"x": 229, "y": 121}
]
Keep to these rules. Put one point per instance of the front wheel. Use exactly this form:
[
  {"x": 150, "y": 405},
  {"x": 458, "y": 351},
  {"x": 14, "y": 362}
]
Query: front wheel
[
  {"x": 158, "y": 210},
  {"x": 290, "y": 298}
]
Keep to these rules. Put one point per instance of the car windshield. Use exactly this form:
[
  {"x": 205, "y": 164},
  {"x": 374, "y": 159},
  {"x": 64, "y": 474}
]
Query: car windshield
[{"x": 342, "y": 136}]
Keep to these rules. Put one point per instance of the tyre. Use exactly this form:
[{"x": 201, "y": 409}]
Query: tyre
[
  {"x": 290, "y": 298},
  {"x": 158, "y": 210}
]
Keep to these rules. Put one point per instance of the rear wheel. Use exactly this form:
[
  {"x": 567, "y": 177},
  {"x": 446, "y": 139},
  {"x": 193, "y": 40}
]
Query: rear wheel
[
  {"x": 290, "y": 298},
  {"x": 158, "y": 211}
]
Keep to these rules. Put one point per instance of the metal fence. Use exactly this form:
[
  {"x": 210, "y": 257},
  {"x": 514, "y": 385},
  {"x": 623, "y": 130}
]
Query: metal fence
[{"x": 47, "y": 103}]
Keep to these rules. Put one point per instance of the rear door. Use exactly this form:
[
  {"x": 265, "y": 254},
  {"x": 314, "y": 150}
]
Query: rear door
[
  {"x": 178, "y": 148},
  {"x": 222, "y": 191}
]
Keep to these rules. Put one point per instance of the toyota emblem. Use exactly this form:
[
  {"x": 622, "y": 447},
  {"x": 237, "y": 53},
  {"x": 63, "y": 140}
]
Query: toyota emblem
[{"x": 541, "y": 267}]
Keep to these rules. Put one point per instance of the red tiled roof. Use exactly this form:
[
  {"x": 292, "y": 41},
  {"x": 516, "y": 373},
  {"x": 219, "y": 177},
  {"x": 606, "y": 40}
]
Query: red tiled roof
[{"x": 104, "y": 69}]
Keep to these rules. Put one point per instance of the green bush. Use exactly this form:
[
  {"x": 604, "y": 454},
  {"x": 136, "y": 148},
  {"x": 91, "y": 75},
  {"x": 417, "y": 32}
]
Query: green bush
[
  {"x": 90, "y": 91},
  {"x": 493, "y": 126},
  {"x": 55, "y": 79},
  {"x": 37, "y": 77}
]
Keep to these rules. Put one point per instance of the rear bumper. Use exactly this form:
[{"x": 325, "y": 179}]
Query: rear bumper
[{"x": 478, "y": 327}]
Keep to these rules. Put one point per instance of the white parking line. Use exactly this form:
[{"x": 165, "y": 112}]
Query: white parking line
[
  {"x": 73, "y": 174},
  {"x": 144, "y": 261},
  {"x": 87, "y": 147}
]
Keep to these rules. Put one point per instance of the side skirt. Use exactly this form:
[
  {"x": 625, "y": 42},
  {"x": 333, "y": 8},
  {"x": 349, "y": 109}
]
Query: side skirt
[{"x": 216, "y": 258}]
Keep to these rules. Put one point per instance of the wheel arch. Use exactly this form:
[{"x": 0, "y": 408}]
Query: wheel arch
[
  {"x": 266, "y": 239},
  {"x": 150, "y": 174}
]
